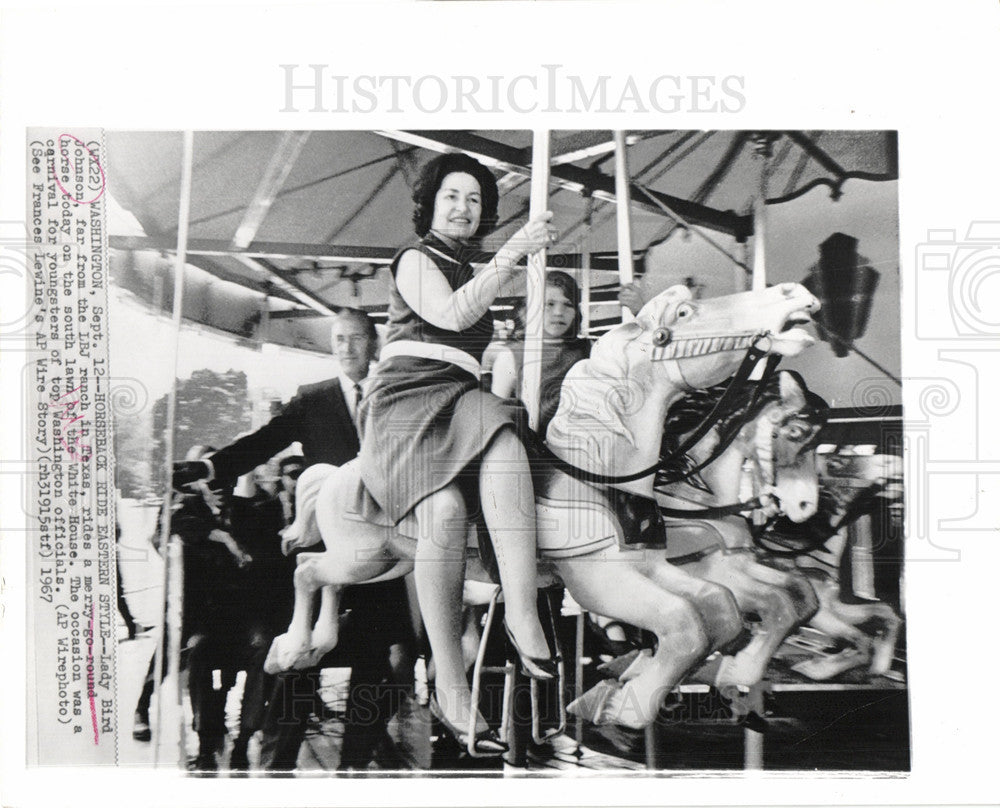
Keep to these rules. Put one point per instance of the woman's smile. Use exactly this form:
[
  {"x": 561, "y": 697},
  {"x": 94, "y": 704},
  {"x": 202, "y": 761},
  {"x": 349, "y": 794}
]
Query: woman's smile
[{"x": 458, "y": 206}]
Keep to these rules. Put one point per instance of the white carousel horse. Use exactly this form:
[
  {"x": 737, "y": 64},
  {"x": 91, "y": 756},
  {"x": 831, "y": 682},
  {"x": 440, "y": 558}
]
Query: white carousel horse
[
  {"x": 609, "y": 422},
  {"x": 785, "y": 594},
  {"x": 853, "y": 487},
  {"x": 775, "y": 452}
]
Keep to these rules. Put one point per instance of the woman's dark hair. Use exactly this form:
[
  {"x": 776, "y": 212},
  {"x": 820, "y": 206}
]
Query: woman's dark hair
[
  {"x": 429, "y": 183},
  {"x": 567, "y": 285}
]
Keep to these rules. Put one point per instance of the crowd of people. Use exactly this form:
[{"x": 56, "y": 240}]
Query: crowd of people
[{"x": 454, "y": 462}]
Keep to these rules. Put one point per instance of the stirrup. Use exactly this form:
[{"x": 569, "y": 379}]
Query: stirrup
[
  {"x": 537, "y": 735},
  {"x": 509, "y": 671},
  {"x": 477, "y": 672}
]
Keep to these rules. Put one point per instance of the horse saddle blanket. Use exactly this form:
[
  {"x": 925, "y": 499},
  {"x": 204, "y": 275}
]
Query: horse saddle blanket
[{"x": 608, "y": 516}]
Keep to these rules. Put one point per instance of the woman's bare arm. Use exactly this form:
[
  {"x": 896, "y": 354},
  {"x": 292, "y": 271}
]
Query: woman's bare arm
[
  {"x": 425, "y": 289},
  {"x": 504, "y": 374}
]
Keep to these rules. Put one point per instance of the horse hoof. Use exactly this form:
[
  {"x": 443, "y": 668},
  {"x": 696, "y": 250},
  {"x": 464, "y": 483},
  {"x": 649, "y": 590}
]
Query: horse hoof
[
  {"x": 323, "y": 641},
  {"x": 591, "y": 705},
  {"x": 283, "y": 654},
  {"x": 639, "y": 664},
  {"x": 739, "y": 671},
  {"x": 617, "y": 666},
  {"x": 309, "y": 660},
  {"x": 825, "y": 668},
  {"x": 883, "y": 651},
  {"x": 290, "y": 540}
]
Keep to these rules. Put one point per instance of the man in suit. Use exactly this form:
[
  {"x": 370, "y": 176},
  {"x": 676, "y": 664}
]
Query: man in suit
[{"x": 378, "y": 628}]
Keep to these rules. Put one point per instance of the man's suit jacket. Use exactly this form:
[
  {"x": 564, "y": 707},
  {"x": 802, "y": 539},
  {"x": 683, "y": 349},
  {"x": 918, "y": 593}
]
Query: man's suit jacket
[{"x": 317, "y": 417}]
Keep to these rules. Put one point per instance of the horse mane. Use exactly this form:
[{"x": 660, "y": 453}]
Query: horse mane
[{"x": 687, "y": 413}]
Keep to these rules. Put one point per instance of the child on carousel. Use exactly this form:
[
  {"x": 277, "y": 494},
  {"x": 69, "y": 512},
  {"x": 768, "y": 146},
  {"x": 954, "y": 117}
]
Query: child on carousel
[
  {"x": 561, "y": 349},
  {"x": 430, "y": 436}
]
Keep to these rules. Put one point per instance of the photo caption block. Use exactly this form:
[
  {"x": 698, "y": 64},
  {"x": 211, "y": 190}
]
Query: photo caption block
[{"x": 72, "y": 618}]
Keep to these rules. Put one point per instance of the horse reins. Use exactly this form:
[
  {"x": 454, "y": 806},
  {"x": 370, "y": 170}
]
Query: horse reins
[
  {"x": 733, "y": 390},
  {"x": 712, "y": 513}
]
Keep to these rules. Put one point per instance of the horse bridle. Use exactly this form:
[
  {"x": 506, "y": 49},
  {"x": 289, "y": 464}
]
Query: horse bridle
[
  {"x": 753, "y": 356},
  {"x": 748, "y": 505}
]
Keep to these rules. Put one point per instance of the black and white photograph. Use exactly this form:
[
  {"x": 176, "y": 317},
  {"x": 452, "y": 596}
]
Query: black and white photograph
[
  {"x": 639, "y": 390},
  {"x": 574, "y": 403}
]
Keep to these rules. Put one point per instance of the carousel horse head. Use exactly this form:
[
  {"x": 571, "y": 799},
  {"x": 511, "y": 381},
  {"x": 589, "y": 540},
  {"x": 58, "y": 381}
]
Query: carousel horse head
[
  {"x": 675, "y": 344},
  {"x": 783, "y": 440},
  {"x": 850, "y": 486},
  {"x": 774, "y": 434},
  {"x": 706, "y": 339}
]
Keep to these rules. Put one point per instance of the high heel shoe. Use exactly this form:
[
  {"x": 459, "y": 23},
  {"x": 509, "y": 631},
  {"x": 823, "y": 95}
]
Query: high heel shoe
[
  {"x": 534, "y": 667},
  {"x": 485, "y": 742}
]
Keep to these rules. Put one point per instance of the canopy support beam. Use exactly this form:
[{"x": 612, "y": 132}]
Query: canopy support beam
[
  {"x": 286, "y": 284},
  {"x": 570, "y": 177},
  {"x": 282, "y": 161}
]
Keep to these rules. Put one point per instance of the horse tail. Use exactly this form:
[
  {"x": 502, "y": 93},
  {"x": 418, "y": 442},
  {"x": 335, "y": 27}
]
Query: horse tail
[{"x": 303, "y": 531}]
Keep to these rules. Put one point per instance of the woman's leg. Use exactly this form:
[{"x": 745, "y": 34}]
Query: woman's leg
[
  {"x": 438, "y": 572},
  {"x": 508, "y": 501}
]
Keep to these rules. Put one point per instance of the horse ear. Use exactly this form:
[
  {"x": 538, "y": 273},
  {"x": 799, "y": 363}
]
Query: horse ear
[{"x": 791, "y": 392}]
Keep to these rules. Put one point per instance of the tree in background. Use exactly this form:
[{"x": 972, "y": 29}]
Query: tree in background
[
  {"x": 133, "y": 454},
  {"x": 212, "y": 409}
]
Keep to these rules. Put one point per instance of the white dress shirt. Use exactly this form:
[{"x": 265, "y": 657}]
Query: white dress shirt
[{"x": 347, "y": 385}]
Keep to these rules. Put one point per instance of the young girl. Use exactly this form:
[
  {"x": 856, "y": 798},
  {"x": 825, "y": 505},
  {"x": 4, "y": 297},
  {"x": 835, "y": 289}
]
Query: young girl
[
  {"x": 431, "y": 437},
  {"x": 560, "y": 351}
]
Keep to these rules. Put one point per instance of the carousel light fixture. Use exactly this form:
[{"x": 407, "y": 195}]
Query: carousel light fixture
[{"x": 845, "y": 285}]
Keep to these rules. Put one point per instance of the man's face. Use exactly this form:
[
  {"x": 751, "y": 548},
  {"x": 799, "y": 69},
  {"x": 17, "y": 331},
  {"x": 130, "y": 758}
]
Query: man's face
[{"x": 353, "y": 347}]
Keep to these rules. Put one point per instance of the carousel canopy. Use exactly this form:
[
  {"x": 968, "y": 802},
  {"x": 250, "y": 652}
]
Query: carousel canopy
[{"x": 286, "y": 227}]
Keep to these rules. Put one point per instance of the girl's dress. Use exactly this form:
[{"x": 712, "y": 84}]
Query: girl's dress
[
  {"x": 425, "y": 423},
  {"x": 557, "y": 359}
]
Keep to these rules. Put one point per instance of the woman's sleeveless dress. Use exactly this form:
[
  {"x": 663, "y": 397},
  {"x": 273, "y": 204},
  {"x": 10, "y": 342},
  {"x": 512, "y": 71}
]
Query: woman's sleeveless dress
[{"x": 425, "y": 423}]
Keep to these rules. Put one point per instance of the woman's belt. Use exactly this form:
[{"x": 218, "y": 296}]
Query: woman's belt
[{"x": 431, "y": 350}]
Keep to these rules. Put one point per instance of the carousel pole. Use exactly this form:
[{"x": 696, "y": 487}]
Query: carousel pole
[
  {"x": 585, "y": 266},
  {"x": 753, "y": 740},
  {"x": 762, "y": 144},
  {"x": 626, "y": 274},
  {"x": 585, "y": 292},
  {"x": 535, "y": 302},
  {"x": 626, "y": 271},
  {"x": 173, "y": 571},
  {"x": 742, "y": 277},
  {"x": 519, "y": 736}
]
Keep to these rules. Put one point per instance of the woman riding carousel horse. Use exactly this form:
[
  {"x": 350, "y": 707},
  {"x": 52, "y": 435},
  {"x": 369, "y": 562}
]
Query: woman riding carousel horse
[{"x": 435, "y": 444}]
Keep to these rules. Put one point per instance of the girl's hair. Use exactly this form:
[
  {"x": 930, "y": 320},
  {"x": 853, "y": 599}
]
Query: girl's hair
[
  {"x": 567, "y": 285},
  {"x": 429, "y": 183}
]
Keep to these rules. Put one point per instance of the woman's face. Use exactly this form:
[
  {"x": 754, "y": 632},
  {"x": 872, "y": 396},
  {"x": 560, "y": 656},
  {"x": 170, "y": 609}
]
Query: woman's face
[
  {"x": 559, "y": 312},
  {"x": 458, "y": 206}
]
